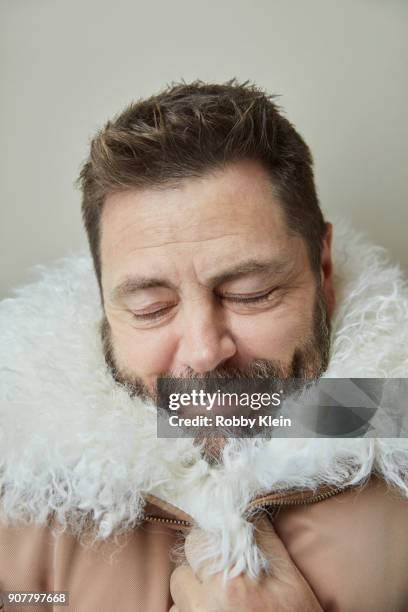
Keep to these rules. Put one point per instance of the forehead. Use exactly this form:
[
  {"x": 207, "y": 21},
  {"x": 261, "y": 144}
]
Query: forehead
[{"x": 210, "y": 219}]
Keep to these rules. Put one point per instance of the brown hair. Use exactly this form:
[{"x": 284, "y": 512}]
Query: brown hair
[{"x": 190, "y": 128}]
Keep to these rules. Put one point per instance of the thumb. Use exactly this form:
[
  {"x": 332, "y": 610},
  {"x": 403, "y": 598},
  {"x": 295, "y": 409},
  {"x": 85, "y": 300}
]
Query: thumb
[
  {"x": 198, "y": 549},
  {"x": 279, "y": 561}
]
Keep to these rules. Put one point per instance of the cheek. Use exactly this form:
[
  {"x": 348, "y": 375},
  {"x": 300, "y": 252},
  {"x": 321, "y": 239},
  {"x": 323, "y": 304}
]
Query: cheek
[
  {"x": 143, "y": 353},
  {"x": 271, "y": 335}
]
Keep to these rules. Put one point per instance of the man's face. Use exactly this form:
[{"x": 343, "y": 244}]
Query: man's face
[{"x": 205, "y": 277}]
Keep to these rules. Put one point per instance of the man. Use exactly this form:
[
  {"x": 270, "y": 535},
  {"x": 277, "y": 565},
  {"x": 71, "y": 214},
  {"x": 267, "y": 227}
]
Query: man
[{"x": 212, "y": 258}]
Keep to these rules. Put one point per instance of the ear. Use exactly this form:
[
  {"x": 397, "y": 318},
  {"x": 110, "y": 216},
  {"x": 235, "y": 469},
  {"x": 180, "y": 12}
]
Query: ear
[{"x": 326, "y": 269}]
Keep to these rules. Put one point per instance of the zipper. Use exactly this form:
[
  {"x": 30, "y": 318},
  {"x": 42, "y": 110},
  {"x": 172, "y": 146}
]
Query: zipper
[
  {"x": 268, "y": 500},
  {"x": 310, "y": 499},
  {"x": 151, "y": 518}
]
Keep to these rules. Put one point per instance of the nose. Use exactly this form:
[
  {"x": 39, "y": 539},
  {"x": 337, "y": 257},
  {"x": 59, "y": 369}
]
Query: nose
[{"x": 205, "y": 342}]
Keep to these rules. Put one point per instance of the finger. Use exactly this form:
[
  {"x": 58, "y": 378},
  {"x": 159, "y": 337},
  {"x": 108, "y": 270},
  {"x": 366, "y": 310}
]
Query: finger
[
  {"x": 194, "y": 541},
  {"x": 272, "y": 546},
  {"x": 195, "y": 547},
  {"x": 186, "y": 590}
]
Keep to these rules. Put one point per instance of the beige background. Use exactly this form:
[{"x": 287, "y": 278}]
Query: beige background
[{"x": 68, "y": 65}]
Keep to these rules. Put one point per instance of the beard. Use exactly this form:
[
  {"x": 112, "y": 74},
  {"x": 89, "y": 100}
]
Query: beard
[{"x": 310, "y": 360}]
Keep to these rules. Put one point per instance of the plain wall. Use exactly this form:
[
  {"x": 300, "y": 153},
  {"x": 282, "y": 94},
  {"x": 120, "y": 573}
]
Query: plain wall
[{"x": 67, "y": 66}]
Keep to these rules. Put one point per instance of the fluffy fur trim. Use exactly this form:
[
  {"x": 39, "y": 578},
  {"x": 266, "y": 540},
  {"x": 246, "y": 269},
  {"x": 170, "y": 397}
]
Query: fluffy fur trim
[{"x": 75, "y": 445}]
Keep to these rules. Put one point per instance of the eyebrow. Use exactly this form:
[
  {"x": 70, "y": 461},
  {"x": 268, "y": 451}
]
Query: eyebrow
[{"x": 275, "y": 267}]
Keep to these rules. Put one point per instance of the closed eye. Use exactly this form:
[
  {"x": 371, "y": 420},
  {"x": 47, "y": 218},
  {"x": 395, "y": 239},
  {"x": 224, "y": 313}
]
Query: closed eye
[
  {"x": 155, "y": 314},
  {"x": 240, "y": 299}
]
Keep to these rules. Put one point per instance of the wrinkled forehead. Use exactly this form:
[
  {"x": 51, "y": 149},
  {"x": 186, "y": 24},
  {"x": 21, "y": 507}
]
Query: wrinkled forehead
[
  {"x": 238, "y": 200},
  {"x": 208, "y": 222}
]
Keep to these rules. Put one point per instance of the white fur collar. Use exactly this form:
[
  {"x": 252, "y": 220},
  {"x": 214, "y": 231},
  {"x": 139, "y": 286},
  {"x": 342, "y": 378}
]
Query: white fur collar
[{"x": 72, "y": 442}]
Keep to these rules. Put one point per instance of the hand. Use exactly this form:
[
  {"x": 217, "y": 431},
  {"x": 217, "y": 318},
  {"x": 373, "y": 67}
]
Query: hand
[{"x": 284, "y": 590}]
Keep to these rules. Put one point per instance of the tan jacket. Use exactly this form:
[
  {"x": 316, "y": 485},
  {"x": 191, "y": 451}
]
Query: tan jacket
[
  {"x": 73, "y": 441},
  {"x": 352, "y": 547}
]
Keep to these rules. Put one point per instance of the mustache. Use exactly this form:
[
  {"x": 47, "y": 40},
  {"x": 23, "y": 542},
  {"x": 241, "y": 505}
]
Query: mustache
[
  {"x": 258, "y": 368},
  {"x": 230, "y": 379}
]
